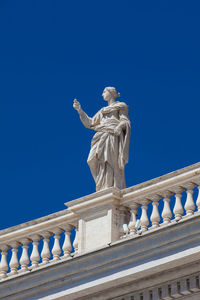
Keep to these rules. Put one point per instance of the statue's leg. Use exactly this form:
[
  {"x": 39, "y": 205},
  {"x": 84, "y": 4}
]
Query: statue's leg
[
  {"x": 109, "y": 176},
  {"x": 105, "y": 176},
  {"x": 119, "y": 178}
]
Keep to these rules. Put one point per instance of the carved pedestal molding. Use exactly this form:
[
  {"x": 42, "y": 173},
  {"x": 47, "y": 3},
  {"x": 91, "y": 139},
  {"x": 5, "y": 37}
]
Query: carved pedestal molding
[{"x": 100, "y": 213}]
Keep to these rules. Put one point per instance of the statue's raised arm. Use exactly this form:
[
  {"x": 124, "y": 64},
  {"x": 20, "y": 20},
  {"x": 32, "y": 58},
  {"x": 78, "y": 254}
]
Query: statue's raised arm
[
  {"x": 110, "y": 145},
  {"x": 87, "y": 121},
  {"x": 76, "y": 105}
]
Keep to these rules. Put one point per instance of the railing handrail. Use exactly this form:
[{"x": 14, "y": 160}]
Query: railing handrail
[
  {"x": 160, "y": 184},
  {"x": 36, "y": 226}
]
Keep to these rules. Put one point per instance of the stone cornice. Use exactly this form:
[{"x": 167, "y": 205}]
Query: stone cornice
[{"x": 169, "y": 249}]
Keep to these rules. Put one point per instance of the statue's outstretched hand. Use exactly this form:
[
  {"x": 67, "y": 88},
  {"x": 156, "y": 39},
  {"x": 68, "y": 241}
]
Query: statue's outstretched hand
[{"x": 76, "y": 105}]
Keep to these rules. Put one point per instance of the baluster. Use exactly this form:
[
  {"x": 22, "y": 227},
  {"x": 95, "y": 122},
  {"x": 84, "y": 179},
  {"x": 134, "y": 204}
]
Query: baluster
[
  {"x": 166, "y": 213},
  {"x": 56, "y": 251},
  {"x": 155, "y": 216},
  {"x": 35, "y": 256},
  {"x": 133, "y": 218},
  {"x": 124, "y": 216},
  {"x": 189, "y": 204},
  {"x": 45, "y": 254},
  {"x": 14, "y": 263},
  {"x": 75, "y": 244},
  {"x": 67, "y": 246},
  {"x": 178, "y": 207},
  {"x": 4, "y": 264},
  {"x": 24, "y": 260},
  {"x": 144, "y": 218},
  {"x": 198, "y": 199}
]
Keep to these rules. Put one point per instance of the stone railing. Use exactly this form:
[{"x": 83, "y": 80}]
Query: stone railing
[
  {"x": 164, "y": 200},
  {"x": 31, "y": 245},
  {"x": 101, "y": 219}
]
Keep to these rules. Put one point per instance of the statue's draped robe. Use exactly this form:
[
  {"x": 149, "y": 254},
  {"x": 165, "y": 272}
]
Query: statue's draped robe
[{"x": 109, "y": 153}]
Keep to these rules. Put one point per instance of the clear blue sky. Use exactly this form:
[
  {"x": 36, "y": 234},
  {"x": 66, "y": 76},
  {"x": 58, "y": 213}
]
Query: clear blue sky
[{"x": 53, "y": 51}]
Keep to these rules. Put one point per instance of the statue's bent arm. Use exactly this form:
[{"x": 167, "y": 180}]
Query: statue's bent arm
[
  {"x": 124, "y": 118},
  {"x": 87, "y": 121}
]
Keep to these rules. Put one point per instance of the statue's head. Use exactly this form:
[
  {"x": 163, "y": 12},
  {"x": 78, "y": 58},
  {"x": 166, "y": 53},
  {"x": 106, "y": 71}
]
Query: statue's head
[{"x": 110, "y": 92}]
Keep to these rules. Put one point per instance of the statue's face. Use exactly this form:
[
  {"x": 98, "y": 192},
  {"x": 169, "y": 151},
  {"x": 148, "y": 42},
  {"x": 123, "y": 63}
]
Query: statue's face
[{"x": 106, "y": 95}]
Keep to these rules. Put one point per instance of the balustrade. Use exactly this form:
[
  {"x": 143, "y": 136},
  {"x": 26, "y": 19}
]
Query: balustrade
[
  {"x": 171, "y": 210},
  {"x": 36, "y": 248},
  {"x": 154, "y": 205}
]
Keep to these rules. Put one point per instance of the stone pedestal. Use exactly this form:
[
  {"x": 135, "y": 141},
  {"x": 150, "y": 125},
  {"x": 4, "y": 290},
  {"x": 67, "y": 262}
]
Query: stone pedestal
[{"x": 101, "y": 218}]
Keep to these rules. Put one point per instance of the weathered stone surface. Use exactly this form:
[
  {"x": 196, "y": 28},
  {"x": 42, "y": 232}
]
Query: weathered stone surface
[{"x": 110, "y": 145}]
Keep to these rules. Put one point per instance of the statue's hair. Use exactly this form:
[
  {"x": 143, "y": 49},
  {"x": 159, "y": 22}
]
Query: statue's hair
[{"x": 112, "y": 91}]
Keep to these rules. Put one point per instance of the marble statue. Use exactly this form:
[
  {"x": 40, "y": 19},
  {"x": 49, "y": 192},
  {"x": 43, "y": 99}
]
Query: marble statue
[{"x": 110, "y": 145}]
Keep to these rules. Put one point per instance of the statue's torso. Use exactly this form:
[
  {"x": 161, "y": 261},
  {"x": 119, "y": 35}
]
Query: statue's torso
[{"x": 111, "y": 115}]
